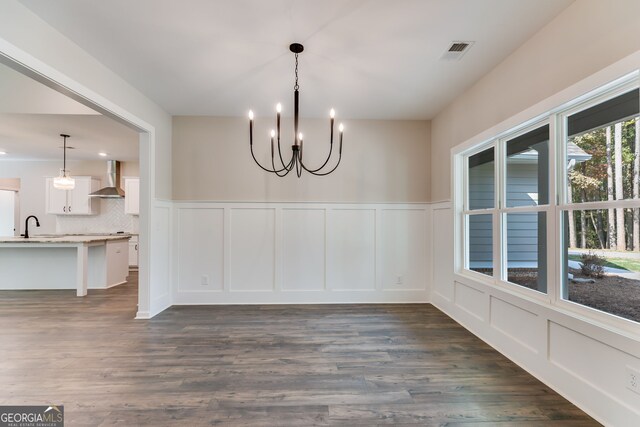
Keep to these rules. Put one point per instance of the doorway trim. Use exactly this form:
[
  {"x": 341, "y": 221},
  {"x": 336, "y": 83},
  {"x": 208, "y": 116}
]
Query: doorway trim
[{"x": 30, "y": 66}]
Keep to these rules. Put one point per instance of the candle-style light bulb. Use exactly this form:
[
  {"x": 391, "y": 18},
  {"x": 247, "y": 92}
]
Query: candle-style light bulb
[
  {"x": 250, "y": 115},
  {"x": 332, "y": 113},
  {"x": 279, "y": 108},
  {"x": 341, "y": 127},
  {"x": 300, "y": 136},
  {"x": 273, "y": 133}
]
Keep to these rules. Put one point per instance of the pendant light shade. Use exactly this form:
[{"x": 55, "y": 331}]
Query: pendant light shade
[{"x": 64, "y": 181}]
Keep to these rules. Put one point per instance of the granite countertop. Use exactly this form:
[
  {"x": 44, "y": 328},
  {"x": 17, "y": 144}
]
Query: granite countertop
[{"x": 64, "y": 239}]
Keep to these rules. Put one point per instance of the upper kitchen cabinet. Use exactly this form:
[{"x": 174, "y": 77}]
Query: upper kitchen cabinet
[
  {"x": 76, "y": 201},
  {"x": 132, "y": 196}
]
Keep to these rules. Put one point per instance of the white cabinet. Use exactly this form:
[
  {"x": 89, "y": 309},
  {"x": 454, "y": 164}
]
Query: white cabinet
[
  {"x": 117, "y": 269},
  {"x": 56, "y": 199},
  {"x": 73, "y": 202},
  {"x": 132, "y": 196},
  {"x": 133, "y": 251}
]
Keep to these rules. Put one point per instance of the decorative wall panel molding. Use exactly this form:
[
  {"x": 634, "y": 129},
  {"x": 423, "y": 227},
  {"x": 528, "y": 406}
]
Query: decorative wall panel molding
[{"x": 269, "y": 253}]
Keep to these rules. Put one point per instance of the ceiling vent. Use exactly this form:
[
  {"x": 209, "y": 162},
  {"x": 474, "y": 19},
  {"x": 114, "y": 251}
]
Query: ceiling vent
[{"x": 457, "y": 50}]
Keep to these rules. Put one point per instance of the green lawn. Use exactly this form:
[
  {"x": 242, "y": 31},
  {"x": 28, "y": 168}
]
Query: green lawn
[{"x": 623, "y": 263}]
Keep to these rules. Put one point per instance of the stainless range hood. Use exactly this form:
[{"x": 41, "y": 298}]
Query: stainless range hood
[{"x": 112, "y": 190}]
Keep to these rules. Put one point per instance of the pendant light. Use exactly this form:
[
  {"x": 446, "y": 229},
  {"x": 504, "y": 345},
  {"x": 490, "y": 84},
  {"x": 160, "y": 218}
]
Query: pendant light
[{"x": 64, "y": 181}]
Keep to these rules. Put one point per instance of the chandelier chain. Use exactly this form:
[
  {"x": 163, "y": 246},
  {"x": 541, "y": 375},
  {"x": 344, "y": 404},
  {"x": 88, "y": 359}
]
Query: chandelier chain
[{"x": 296, "y": 86}]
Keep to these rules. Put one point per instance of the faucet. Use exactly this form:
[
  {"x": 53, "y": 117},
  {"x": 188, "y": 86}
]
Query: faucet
[{"x": 26, "y": 225}]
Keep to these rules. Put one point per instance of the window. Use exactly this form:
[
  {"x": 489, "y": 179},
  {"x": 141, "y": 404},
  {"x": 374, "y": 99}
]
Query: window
[
  {"x": 526, "y": 190},
  {"x": 522, "y": 215},
  {"x": 601, "y": 258},
  {"x": 481, "y": 197},
  {"x": 553, "y": 209}
]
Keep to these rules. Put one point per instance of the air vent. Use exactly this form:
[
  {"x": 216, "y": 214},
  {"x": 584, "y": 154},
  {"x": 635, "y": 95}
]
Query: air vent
[
  {"x": 456, "y": 50},
  {"x": 458, "y": 47}
]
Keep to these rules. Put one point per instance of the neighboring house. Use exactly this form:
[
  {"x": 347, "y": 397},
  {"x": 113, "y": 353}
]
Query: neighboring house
[{"x": 522, "y": 190}]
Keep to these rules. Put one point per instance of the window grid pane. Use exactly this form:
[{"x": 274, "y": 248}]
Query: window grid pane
[
  {"x": 480, "y": 243},
  {"x": 600, "y": 146},
  {"x": 481, "y": 180},
  {"x": 526, "y": 249},
  {"x": 596, "y": 277},
  {"x": 527, "y": 169}
]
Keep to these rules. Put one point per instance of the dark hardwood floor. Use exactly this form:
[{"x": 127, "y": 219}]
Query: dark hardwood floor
[{"x": 354, "y": 365}]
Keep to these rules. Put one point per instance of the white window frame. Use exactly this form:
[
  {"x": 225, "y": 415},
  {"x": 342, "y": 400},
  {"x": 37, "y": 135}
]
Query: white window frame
[
  {"x": 556, "y": 118},
  {"x": 503, "y": 210},
  {"x": 563, "y": 205},
  {"x": 466, "y": 213}
]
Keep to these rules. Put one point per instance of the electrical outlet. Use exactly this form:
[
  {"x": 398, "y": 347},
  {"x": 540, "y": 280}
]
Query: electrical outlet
[
  {"x": 204, "y": 281},
  {"x": 633, "y": 380},
  {"x": 399, "y": 280}
]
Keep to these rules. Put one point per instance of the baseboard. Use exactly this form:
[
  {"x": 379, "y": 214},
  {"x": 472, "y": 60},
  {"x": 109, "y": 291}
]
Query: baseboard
[
  {"x": 301, "y": 297},
  {"x": 142, "y": 315}
]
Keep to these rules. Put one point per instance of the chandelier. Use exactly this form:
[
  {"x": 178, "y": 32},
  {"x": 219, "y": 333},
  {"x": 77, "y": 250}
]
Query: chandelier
[
  {"x": 64, "y": 181},
  {"x": 278, "y": 165}
]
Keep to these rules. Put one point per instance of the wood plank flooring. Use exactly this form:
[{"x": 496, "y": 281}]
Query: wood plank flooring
[{"x": 324, "y": 365}]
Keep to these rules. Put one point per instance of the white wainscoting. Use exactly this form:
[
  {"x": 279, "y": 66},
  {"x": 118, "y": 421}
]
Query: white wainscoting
[
  {"x": 579, "y": 358},
  {"x": 269, "y": 253}
]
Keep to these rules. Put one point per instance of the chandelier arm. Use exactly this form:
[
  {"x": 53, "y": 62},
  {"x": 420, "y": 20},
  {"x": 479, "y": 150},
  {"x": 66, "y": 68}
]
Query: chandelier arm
[
  {"x": 254, "y": 156},
  {"x": 277, "y": 172},
  {"x": 298, "y": 165},
  {"x": 326, "y": 173},
  {"x": 278, "y": 136},
  {"x": 289, "y": 168},
  {"x": 323, "y": 165},
  {"x": 280, "y": 155},
  {"x": 334, "y": 168},
  {"x": 330, "y": 151},
  {"x": 258, "y": 163}
]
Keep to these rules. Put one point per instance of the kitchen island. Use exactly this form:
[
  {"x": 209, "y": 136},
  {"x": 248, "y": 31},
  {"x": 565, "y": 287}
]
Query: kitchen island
[{"x": 64, "y": 262}]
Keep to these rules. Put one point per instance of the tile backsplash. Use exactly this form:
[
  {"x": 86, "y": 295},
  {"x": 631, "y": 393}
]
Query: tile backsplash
[{"x": 111, "y": 219}]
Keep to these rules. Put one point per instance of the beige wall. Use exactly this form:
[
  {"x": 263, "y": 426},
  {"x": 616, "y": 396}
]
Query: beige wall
[
  {"x": 383, "y": 161},
  {"x": 584, "y": 38},
  {"x": 31, "y": 175}
]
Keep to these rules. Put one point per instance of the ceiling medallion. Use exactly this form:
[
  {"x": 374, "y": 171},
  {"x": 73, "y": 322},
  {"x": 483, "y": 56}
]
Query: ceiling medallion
[{"x": 278, "y": 165}]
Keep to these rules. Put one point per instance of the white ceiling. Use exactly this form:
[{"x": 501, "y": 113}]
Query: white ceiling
[
  {"x": 367, "y": 58},
  {"x": 32, "y": 117},
  {"x": 37, "y": 137}
]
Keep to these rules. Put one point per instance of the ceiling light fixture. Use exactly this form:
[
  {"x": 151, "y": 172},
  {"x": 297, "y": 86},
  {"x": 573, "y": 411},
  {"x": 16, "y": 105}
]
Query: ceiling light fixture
[
  {"x": 2, "y": 153},
  {"x": 64, "y": 181},
  {"x": 280, "y": 168},
  {"x": 102, "y": 154}
]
